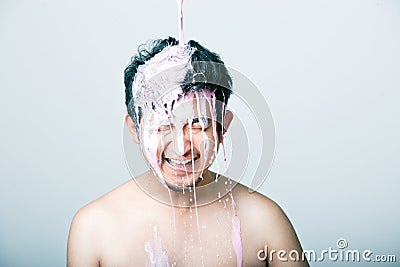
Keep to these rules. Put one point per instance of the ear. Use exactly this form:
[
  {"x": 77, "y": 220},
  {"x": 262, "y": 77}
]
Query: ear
[
  {"x": 132, "y": 128},
  {"x": 227, "y": 120}
]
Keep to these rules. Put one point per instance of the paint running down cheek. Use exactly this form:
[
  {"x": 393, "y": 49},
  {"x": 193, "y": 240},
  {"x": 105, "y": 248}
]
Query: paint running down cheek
[{"x": 150, "y": 142}]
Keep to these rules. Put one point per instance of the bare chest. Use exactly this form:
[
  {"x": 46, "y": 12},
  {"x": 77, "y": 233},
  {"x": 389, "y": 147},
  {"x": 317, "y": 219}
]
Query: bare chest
[{"x": 191, "y": 238}]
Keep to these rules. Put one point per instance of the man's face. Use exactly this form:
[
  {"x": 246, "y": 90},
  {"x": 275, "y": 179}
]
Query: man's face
[{"x": 179, "y": 139}]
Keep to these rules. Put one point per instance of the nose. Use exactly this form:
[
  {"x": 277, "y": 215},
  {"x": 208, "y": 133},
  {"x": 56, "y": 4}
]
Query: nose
[{"x": 183, "y": 140}]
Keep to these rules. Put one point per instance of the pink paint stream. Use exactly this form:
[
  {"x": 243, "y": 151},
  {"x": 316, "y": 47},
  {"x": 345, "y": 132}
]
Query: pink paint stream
[{"x": 180, "y": 21}]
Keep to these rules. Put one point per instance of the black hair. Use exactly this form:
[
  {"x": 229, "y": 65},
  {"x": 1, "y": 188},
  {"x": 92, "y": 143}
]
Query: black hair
[{"x": 216, "y": 76}]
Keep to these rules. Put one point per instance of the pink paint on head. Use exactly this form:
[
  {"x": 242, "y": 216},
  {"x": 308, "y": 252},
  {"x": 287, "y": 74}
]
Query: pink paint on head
[{"x": 161, "y": 74}]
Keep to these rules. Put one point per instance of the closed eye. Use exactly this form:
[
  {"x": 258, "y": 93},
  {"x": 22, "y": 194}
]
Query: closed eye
[
  {"x": 165, "y": 127},
  {"x": 200, "y": 123}
]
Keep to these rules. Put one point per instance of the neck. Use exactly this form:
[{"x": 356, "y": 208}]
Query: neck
[{"x": 205, "y": 192}]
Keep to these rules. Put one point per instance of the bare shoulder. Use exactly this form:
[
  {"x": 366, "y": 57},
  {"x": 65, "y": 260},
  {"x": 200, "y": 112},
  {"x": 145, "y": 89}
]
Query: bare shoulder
[
  {"x": 95, "y": 220},
  {"x": 258, "y": 207},
  {"x": 265, "y": 224},
  {"x": 109, "y": 205}
]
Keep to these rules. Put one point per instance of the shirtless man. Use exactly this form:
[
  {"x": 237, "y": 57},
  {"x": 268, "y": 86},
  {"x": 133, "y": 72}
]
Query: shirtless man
[{"x": 179, "y": 213}]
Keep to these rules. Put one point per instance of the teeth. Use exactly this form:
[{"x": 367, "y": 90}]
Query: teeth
[{"x": 174, "y": 161}]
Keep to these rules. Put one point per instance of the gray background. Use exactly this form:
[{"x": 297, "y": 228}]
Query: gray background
[{"x": 329, "y": 69}]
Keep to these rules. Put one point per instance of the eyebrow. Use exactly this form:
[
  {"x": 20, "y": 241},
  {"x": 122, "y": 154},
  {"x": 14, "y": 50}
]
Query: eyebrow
[
  {"x": 206, "y": 121},
  {"x": 197, "y": 120}
]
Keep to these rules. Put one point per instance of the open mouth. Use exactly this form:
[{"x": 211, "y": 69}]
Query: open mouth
[{"x": 181, "y": 165}]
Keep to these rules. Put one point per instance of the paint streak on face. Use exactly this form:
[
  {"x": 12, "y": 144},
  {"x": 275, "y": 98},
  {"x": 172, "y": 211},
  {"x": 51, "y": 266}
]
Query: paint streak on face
[{"x": 179, "y": 138}]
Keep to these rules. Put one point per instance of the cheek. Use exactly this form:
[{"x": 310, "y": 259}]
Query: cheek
[
  {"x": 205, "y": 142},
  {"x": 211, "y": 135},
  {"x": 164, "y": 141},
  {"x": 149, "y": 146}
]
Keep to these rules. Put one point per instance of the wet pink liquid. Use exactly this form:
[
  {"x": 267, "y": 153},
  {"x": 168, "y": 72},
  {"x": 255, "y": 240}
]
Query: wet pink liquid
[{"x": 180, "y": 21}]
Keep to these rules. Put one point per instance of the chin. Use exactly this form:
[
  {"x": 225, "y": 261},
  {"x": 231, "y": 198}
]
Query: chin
[{"x": 176, "y": 183}]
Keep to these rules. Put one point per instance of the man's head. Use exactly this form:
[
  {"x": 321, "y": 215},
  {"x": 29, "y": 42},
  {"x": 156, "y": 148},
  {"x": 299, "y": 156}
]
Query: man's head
[{"x": 176, "y": 97}]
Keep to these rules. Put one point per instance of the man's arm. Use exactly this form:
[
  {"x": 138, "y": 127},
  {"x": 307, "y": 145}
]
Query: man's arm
[
  {"x": 266, "y": 226},
  {"x": 82, "y": 241},
  {"x": 283, "y": 239}
]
